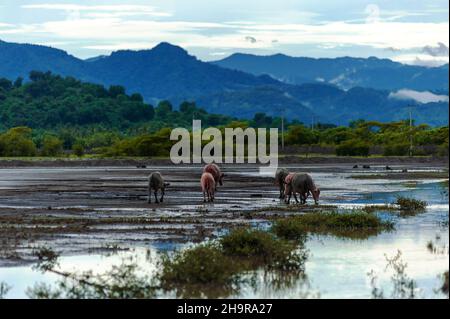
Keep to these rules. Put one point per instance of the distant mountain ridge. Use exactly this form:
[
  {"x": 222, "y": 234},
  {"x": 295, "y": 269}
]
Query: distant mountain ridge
[
  {"x": 345, "y": 72},
  {"x": 169, "y": 72}
]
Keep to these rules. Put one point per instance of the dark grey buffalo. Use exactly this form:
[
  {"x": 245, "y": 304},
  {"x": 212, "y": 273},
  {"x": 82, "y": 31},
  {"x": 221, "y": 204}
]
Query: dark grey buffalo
[
  {"x": 302, "y": 184},
  {"x": 155, "y": 183},
  {"x": 280, "y": 175}
]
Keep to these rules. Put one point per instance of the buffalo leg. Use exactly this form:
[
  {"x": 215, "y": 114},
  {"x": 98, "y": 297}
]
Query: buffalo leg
[
  {"x": 288, "y": 200},
  {"x": 149, "y": 196},
  {"x": 295, "y": 196}
]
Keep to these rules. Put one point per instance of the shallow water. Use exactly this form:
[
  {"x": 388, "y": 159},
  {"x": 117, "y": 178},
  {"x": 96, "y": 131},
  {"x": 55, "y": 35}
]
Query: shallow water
[{"x": 336, "y": 268}]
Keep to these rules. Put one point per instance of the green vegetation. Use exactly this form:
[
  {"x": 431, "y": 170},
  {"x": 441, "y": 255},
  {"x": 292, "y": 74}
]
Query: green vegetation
[
  {"x": 17, "y": 142},
  {"x": 122, "y": 281},
  {"x": 410, "y": 204},
  {"x": 403, "y": 175},
  {"x": 52, "y": 115},
  {"x": 353, "y": 148},
  {"x": 354, "y": 224},
  {"x": 203, "y": 264},
  {"x": 263, "y": 247},
  {"x": 4, "y": 289},
  {"x": 213, "y": 269},
  {"x": 403, "y": 287},
  {"x": 444, "y": 287}
]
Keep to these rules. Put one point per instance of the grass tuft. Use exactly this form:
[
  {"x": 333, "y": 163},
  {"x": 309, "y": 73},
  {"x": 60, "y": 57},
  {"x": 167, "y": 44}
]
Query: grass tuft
[
  {"x": 264, "y": 248},
  {"x": 354, "y": 224},
  {"x": 203, "y": 264},
  {"x": 410, "y": 204}
]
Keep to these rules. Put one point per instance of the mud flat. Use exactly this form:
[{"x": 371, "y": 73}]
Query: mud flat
[
  {"x": 86, "y": 213},
  {"x": 76, "y": 210}
]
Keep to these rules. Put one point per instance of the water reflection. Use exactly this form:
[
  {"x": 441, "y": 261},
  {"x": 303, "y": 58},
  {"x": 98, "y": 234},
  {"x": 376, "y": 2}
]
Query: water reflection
[{"x": 336, "y": 268}]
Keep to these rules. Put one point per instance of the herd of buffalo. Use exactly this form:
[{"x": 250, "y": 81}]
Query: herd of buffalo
[{"x": 289, "y": 184}]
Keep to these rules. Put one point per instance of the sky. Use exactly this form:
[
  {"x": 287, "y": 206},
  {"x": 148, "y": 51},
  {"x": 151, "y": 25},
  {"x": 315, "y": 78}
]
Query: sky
[{"x": 408, "y": 31}]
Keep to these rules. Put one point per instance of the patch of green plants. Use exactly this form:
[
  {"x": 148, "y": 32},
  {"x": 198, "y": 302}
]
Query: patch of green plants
[
  {"x": 410, "y": 204},
  {"x": 353, "y": 224},
  {"x": 403, "y": 287},
  {"x": 203, "y": 264},
  {"x": 216, "y": 268},
  {"x": 264, "y": 247}
]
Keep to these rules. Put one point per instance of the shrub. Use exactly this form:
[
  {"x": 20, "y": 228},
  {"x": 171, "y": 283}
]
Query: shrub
[
  {"x": 355, "y": 224},
  {"x": 51, "y": 146},
  {"x": 203, "y": 264},
  {"x": 78, "y": 149},
  {"x": 410, "y": 204},
  {"x": 353, "y": 148},
  {"x": 263, "y": 247},
  {"x": 17, "y": 142},
  {"x": 400, "y": 149},
  {"x": 443, "y": 149}
]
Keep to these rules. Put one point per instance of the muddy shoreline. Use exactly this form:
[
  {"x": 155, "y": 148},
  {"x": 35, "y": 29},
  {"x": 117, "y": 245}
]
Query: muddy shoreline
[{"x": 283, "y": 160}]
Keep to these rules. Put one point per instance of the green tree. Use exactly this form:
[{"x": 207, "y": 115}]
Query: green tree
[
  {"x": 17, "y": 142},
  {"x": 78, "y": 149},
  {"x": 51, "y": 146}
]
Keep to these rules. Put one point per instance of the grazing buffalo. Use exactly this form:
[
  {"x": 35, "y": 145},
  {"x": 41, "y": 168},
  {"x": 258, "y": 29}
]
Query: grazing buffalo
[
  {"x": 215, "y": 171},
  {"x": 155, "y": 183},
  {"x": 280, "y": 175},
  {"x": 208, "y": 186},
  {"x": 302, "y": 184}
]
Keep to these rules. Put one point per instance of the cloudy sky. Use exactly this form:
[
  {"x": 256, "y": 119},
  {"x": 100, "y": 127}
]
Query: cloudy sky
[{"x": 409, "y": 31}]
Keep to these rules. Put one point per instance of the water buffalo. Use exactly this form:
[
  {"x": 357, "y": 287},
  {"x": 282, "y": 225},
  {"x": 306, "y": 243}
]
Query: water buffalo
[
  {"x": 155, "y": 183},
  {"x": 215, "y": 171},
  {"x": 280, "y": 175},
  {"x": 302, "y": 184},
  {"x": 208, "y": 186}
]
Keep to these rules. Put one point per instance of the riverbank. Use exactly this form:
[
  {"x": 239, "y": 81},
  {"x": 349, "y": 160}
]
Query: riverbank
[{"x": 283, "y": 160}]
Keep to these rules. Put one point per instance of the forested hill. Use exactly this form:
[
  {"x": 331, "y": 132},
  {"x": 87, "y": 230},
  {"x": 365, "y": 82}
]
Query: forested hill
[
  {"x": 49, "y": 101},
  {"x": 168, "y": 72}
]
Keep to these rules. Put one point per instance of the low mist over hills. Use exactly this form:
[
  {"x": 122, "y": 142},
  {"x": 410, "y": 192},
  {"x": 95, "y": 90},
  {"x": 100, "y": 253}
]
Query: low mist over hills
[{"x": 326, "y": 90}]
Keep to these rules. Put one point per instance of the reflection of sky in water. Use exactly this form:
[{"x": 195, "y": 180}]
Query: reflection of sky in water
[{"x": 336, "y": 268}]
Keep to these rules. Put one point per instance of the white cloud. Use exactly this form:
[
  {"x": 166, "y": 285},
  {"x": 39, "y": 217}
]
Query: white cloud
[
  {"x": 421, "y": 59},
  {"x": 101, "y": 10},
  {"x": 112, "y": 27},
  {"x": 421, "y": 97}
]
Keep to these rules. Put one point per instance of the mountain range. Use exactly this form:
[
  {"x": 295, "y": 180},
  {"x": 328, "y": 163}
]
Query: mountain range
[
  {"x": 326, "y": 90},
  {"x": 345, "y": 72}
]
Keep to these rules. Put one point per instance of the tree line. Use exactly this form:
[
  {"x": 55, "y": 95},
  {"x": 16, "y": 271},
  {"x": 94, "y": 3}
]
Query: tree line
[{"x": 50, "y": 115}]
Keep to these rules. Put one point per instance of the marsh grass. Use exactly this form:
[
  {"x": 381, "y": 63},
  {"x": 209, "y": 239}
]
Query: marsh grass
[
  {"x": 379, "y": 208},
  {"x": 352, "y": 224},
  {"x": 4, "y": 289},
  {"x": 403, "y": 287},
  {"x": 444, "y": 287},
  {"x": 122, "y": 281},
  {"x": 265, "y": 249},
  {"x": 402, "y": 175},
  {"x": 217, "y": 268},
  {"x": 202, "y": 264},
  {"x": 410, "y": 205}
]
